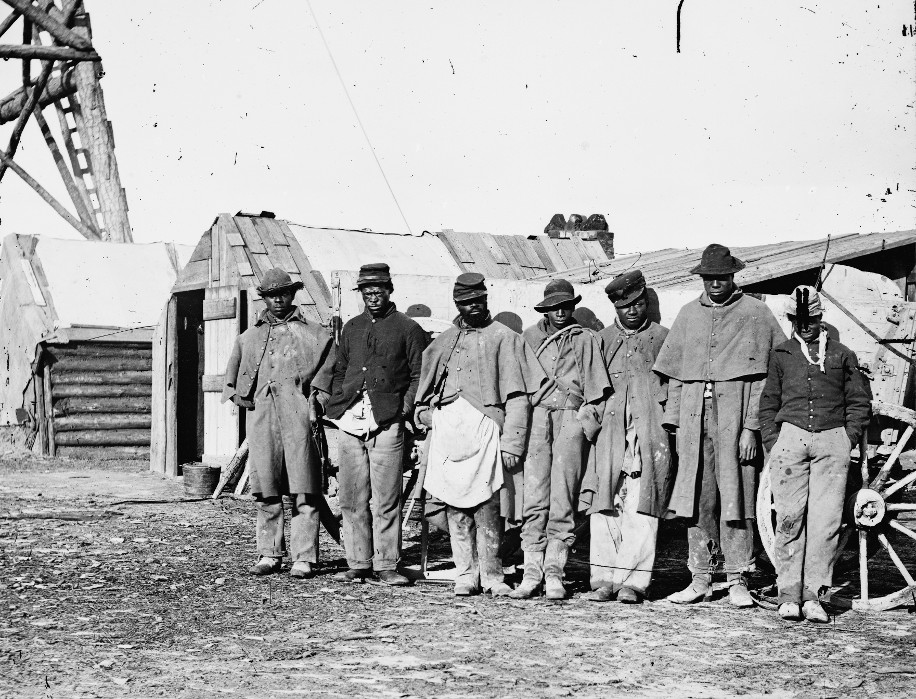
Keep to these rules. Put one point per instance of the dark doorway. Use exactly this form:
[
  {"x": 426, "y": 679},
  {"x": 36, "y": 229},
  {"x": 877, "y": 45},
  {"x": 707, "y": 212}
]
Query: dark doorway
[{"x": 189, "y": 349}]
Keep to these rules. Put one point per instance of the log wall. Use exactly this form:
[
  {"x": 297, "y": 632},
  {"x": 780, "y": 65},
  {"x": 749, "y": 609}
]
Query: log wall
[{"x": 100, "y": 404}]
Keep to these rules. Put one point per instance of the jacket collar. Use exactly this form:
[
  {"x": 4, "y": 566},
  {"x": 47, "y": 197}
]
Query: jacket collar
[
  {"x": 736, "y": 296},
  {"x": 629, "y": 333},
  {"x": 391, "y": 309},
  {"x": 461, "y": 325},
  {"x": 264, "y": 316}
]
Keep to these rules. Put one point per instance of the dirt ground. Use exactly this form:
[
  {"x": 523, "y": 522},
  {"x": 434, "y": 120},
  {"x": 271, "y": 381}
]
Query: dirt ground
[{"x": 105, "y": 598}]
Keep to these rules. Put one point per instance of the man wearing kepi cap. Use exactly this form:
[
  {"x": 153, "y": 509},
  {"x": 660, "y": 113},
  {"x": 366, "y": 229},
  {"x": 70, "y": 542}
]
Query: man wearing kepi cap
[
  {"x": 474, "y": 393},
  {"x": 276, "y": 371},
  {"x": 813, "y": 410},
  {"x": 627, "y": 491},
  {"x": 565, "y": 420},
  {"x": 715, "y": 357},
  {"x": 375, "y": 381}
]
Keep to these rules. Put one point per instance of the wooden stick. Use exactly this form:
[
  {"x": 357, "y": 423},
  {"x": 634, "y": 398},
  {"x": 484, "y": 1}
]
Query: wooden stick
[
  {"x": 51, "y": 25},
  {"x": 38, "y": 385},
  {"x": 47, "y": 53},
  {"x": 236, "y": 464},
  {"x": 243, "y": 479},
  {"x": 27, "y": 62},
  {"x": 65, "y": 174},
  {"x": 44, "y": 194},
  {"x": 35, "y": 93},
  {"x": 9, "y": 21}
]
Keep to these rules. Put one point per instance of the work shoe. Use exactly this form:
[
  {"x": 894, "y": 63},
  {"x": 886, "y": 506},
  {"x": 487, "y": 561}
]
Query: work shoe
[
  {"x": 628, "y": 595},
  {"x": 393, "y": 578},
  {"x": 301, "y": 569},
  {"x": 699, "y": 588},
  {"x": 265, "y": 566},
  {"x": 466, "y": 590},
  {"x": 813, "y": 611},
  {"x": 602, "y": 594},
  {"x": 534, "y": 575},
  {"x": 353, "y": 575},
  {"x": 500, "y": 589},
  {"x": 790, "y": 611},
  {"x": 738, "y": 594},
  {"x": 554, "y": 563}
]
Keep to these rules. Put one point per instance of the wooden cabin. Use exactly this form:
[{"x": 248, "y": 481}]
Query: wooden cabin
[{"x": 78, "y": 319}]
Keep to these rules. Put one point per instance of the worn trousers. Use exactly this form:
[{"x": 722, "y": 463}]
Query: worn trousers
[
  {"x": 370, "y": 497},
  {"x": 554, "y": 467},
  {"x": 711, "y": 535},
  {"x": 303, "y": 527},
  {"x": 808, "y": 472},
  {"x": 475, "y": 534}
]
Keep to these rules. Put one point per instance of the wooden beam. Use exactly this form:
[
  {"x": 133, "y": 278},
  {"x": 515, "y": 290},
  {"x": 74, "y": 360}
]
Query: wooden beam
[
  {"x": 53, "y": 26},
  {"x": 30, "y": 104},
  {"x": 59, "y": 86},
  {"x": 8, "y": 22},
  {"x": 47, "y": 53},
  {"x": 44, "y": 194},
  {"x": 49, "y": 411}
]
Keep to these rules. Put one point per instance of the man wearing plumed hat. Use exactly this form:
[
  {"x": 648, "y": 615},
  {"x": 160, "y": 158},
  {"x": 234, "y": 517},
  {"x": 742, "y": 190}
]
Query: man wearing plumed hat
[
  {"x": 715, "y": 357},
  {"x": 474, "y": 391},
  {"x": 814, "y": 409},
  {"x": 276, "y": 371},
  {"x": 375, "y": 380},
  {"x": 566, "y": 414},
  {"x": 627, "y": 491}
]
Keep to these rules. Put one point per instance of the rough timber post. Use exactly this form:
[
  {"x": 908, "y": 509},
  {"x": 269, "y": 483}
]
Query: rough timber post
[{"x": 97, "y": 139}]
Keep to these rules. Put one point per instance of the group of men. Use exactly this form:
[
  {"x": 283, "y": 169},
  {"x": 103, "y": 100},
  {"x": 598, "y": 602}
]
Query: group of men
[{"x": 628, "y": 425}]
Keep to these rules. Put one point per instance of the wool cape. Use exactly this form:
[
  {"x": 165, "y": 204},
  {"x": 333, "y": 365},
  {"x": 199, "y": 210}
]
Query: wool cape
[
  {"x": 629, "y": 359},
  {"x": 729, "y": 345}
]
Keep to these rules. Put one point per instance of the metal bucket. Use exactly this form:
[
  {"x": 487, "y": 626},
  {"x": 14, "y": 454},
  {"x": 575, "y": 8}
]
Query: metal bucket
[{"x": 200, "y": 479}]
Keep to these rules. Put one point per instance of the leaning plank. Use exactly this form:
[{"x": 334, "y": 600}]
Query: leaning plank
[
  {"x": 128, "y": 404},
  {"x": 233, "y": 469},
  {"x": 103, "y": 377},
  {"x": 104, "y": 453},
  {"x": 102, "y": 421},
  {"x": 85, "y": 364},
  {"x": 243, "y": 479},
  {"x": 101, "y": 438},
  {"x": 101, "y": 391}
]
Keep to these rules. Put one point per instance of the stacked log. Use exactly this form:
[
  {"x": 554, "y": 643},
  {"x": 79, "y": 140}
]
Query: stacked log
[{"x": 101, "y": 399}]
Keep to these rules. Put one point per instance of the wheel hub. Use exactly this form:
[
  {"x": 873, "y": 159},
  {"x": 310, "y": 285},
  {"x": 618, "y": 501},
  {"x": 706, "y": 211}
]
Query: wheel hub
[{"x": 868, "y": 508}]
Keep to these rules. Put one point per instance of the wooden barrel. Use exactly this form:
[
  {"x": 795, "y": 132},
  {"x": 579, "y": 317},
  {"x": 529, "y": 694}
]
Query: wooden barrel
[{"x": 200, "y": 479}]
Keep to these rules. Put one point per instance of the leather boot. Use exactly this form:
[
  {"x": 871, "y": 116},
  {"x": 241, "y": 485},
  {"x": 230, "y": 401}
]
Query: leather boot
[
  {"x": 738, "y": 593},
  {"x": 699, "y": 587},
  {"x": 554, "y": 563},
  {"x": 534, "y": 574}
]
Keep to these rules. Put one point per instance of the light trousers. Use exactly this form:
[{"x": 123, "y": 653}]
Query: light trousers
[{"x": 303, "y": 527}]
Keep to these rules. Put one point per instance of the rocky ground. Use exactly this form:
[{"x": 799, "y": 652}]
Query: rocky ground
[{"x": 112, "y": 586}]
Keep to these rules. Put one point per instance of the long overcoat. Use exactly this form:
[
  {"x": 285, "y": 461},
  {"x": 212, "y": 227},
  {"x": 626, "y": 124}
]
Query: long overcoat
[
  {"x": 629, "y": 359},
  {"x": 728, "y": 345}
]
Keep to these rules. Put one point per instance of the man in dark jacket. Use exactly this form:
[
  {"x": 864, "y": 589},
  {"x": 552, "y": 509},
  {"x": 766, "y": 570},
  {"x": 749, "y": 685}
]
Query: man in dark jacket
[
  {"x": 813, "y": 410},
  {"x": 375, "y": 381},
  {"x": 276, "y": 370}
]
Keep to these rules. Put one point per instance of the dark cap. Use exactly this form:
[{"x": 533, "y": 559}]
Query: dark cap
[
  {"x": 469, "y": 285},
  {"x": 626, "y": 288},
  {"x": 374, "y": 273},
  {"x": 276, "y": 281},
  {"x": 556, "y": 293},
  {"x": 718, "y": 259}
]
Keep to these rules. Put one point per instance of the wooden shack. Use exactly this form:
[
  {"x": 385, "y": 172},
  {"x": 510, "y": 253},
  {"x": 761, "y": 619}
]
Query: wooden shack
[{"x": 77, "y": 320}]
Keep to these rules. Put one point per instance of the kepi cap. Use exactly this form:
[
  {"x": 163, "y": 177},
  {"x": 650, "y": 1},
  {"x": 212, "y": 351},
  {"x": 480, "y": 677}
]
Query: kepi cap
[
  {"x": 373, "y": 273},
  {"x": 626, "y": 288},
  {"x": 469, "y": 285}
]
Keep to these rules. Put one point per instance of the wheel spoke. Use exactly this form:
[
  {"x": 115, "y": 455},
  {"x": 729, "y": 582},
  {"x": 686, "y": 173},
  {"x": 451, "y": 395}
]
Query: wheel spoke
[
  {"x": 863, "y": 564},
  {"x": 901, "y": 507},
  {"x": 885, "y": 471},
  {"x": 903, "y": 530},
  {"x": 896, "y": 559},
  {"x": 902, "y": 483}
]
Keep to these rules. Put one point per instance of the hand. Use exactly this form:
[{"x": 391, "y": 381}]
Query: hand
[
  {"x": 314, "y": 411},
  {"x": 747, "y": 446},
  {"x": 510, "y": 461},
  {"x": 424, "y": 417}
]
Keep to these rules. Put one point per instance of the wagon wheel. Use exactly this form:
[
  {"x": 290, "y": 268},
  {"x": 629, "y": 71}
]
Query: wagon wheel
[{"x": 883, "y": 516}]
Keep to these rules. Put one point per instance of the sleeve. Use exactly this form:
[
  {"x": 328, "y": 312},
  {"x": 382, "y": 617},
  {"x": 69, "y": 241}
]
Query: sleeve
[
  {"x": 232, "y": 371},
  {"x": 752, "y": 409},
  {"x": 417, "y": 340},
  {"x": 672, "y": 415},
  {"x": 770, "y": 403},
  {"x": 858, "y": 405},
  {"x": 515, "y": 429},
  {"x": 321, "y": 383},
  {"x": 341, "y": 362}
]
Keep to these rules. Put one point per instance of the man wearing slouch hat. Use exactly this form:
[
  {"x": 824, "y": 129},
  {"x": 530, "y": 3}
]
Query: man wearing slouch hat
[
  {"x": 565, "y": 419},
  {"x": 627, "y": 491},
  {"x": 715, "y": 357},
  {"x": 276, "y": 371},
  {"x": 474, "y": 393}
]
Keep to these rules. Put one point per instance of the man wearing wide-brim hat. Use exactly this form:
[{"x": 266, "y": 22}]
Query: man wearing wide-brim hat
[
  {"x": 715, "y": 358},
  {"x": 375, "y": 380},
  {"x": 277, "y": 368},
  {"x": 565, "y": 419},
  {"x": 474, "y": 393},
  {"x": 627, "y": 491},
  {"x": 814, "y": 409}
]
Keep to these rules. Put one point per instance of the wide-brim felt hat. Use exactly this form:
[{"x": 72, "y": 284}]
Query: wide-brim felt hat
[
  {"x": 469, "y": 285},
  {"x": 373, "y": 273},
  {"x": 626, "y": 288},
  {"x": 276, "y": 281},
  {"x": 718, "y": 259},
  {"x": 556, "y": 293}
]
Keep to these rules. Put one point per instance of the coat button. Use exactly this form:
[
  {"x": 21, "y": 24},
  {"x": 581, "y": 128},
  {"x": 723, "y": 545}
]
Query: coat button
[{"x": 364, "y": 368}]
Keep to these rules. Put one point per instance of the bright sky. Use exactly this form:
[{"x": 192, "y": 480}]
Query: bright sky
[{"x": 778, "y": 120}]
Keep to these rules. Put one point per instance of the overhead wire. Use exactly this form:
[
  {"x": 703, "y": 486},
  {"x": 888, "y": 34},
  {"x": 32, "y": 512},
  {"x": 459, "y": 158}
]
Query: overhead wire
[{"x": 359, "y": 121}]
